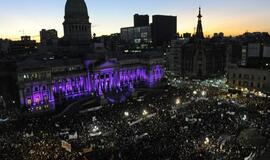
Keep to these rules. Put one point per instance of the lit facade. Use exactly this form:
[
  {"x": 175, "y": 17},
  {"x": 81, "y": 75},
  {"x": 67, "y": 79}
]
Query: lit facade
[
  {"x": 245, "y": 77},
  {"x": 43, "y": 88}
]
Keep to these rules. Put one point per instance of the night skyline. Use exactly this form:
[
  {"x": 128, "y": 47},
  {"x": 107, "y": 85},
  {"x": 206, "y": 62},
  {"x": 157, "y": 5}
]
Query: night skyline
[
  {"x": 134, "y": 79},
  {"x": 106, "y": 17}
]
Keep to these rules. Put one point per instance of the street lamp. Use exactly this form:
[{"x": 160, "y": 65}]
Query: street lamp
[
  {"x": 195, "y": 92},
  {"x": 126, "y": 114},
  {"x": 206, "y": 141},
  {"x": 95, "y": 129},
  {"x": 145, "y": 112},
  {"x": 203, "y": 93},
  {"x": 177, "y": 102}
]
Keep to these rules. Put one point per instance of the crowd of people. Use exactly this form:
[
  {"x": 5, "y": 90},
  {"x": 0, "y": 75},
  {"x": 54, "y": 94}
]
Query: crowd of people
[{"x": 191, "y": 122}]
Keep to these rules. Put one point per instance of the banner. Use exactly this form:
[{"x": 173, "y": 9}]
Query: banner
[
  {"x": 66, "y": 146},
  {"x": 75, "y": 136},
  {"x": 87, "y": 150}
]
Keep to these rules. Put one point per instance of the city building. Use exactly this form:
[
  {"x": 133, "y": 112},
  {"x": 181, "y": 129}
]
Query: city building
[
  {"x": 8, "y": 87},
  {"x": 48, "y": 37},
  {"x": 137, "y": 37},
  {"x": 234, "y": 54},
  {"x": 141, "y": 20},
  {"x": 197, "y": 57},
  {"x": 45, "y": 83},
  {"x": 253, "y": 70},
  {"x": 77, "y": 28},
  {"x": 242, "y": 77},
  {"x": 48, "y": 40},
  {"x": 111, "y": 42},
  {"x": 159, "y": 33},
  {"x": 218, "y": 35},
  {"x": 77, "y": 40},
  {"x": 174, "y": 57},
  {"x": 25, "y": 46},
  {"x": 164, "y": 29},
  {"x": 187, "y": 35}
]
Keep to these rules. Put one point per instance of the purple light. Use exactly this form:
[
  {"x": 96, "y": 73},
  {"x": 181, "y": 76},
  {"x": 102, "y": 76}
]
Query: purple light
[{"x": 103, "y": 82}]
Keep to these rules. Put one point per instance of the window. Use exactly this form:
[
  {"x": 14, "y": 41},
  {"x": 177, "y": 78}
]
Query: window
[
  {"x": 36, "y": 89},
  {"x": 240, "y": 75},
  {"x": 258, "y": 85},
  {"x": 246, "y": 76},
  {"x": 264, "y": 78},
  {"x": 251, "y": 84},
  {"x": 46, "y": 98},
  {"x": 239, "y": 83},
  {"x": 37, "y": 99},
  {"x": 29, "y": 101},
  {"x": 44, "y": 88}
]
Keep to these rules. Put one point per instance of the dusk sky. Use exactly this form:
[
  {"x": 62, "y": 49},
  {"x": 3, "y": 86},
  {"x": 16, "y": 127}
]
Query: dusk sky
[{"x": 229, "y": 16}]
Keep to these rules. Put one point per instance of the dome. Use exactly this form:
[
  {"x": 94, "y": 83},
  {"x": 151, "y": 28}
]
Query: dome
[{"x": 76, "y": 9}]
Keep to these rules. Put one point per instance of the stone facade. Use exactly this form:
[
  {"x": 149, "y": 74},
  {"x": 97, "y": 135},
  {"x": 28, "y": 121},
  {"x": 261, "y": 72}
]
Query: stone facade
[
  {"x": 56, "y": 81},
  {"x": 252, "y": 78}
]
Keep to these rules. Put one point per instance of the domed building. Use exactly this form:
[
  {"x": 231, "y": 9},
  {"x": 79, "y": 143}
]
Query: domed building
[{"x": 77, "y": 28}]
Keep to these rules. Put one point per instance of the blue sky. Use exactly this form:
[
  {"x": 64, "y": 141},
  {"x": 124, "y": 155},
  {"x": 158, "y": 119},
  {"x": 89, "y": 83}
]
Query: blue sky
[{"x": 108, "y": 16}]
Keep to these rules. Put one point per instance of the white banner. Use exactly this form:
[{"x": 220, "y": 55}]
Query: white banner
[{"x": 66, "y": 146}]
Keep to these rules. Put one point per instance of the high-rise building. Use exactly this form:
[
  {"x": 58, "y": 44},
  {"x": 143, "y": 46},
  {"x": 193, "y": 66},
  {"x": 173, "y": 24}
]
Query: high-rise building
[
  {"x": 174, "y": 55},
  {"x": 48, "y": 36},
  {"x": 187, "y": 35},
  {"x": 48, "y": 40},
  {"x": 77, "y": 29},
  {"x": 141, "y": 20},
  {"x": 164, "y": 29},
  {"x": 137, "y": 37},
  {"x": 70, "y": 73},
  {"x": 248, "y": 77}
]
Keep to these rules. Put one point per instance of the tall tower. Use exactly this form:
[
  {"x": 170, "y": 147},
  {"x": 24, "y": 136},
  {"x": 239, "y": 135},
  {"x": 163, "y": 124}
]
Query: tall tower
[
  {"x": 77, "y": 29},
  {"x": 199, "y": 32}
]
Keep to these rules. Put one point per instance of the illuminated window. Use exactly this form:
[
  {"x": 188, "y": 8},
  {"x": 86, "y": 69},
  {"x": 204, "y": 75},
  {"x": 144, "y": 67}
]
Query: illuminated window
[
  {"x": 29, "y": 101},
  {"x": 37, "y": 100}
]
